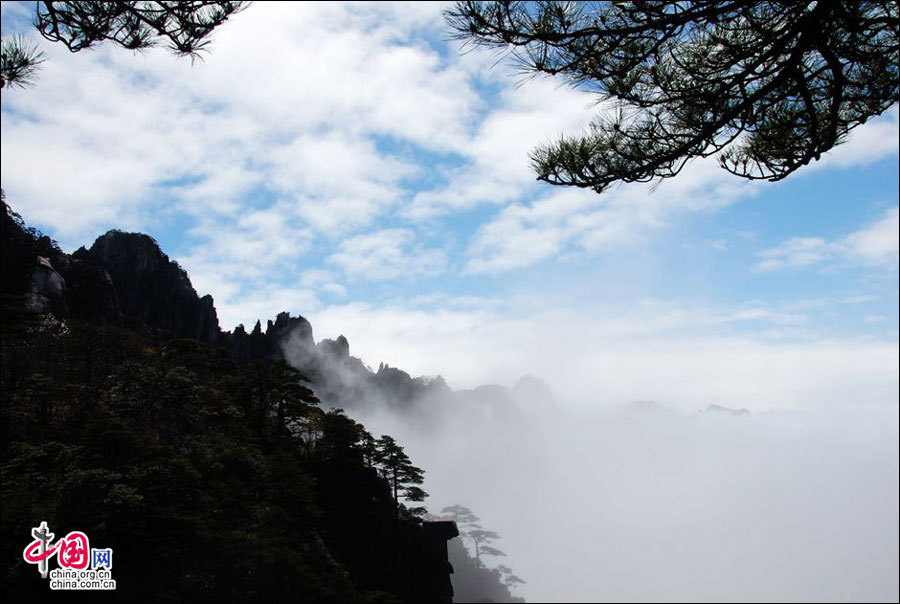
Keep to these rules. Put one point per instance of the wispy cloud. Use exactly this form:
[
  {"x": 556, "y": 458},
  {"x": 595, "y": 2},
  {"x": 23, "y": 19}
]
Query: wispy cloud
[
  {"x": 584, "y": 222},
  {"x": 496, "y": 166},
  {"x": 873, "y": 245},
  {"x": 869, "y": 143},
  {"x": 387, "y": 254}
]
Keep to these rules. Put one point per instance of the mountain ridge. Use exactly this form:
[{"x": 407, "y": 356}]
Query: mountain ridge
[
  {"x": 126, "y": 279},
  {"x": 111, "y": 353}
]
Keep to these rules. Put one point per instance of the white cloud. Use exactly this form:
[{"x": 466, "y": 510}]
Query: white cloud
[
  {"x": 315, "y": 276},
  {"x": 877, "y": 243},
  {"x": 793, "y": 253},
  {"x": 249, "y": 262},
  {"x": 387, "y": 254},
  {"x": 497, "y": 166},
  {"x": 873, "y": 141},
  {"x": 581, "y": 220},
  {"x": 252, "y": 243},
  {"x": 340, "y": 182},
  {"x": 874, "y": 245},
  {"x": 323, "y": 280},
  {"x": 520, "y": 236},
  {"x": 119, "y": 130}
]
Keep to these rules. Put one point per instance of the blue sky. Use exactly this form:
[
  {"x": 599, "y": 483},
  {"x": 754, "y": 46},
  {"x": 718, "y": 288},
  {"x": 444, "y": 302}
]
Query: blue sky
[{"x": 347, "y": 163}]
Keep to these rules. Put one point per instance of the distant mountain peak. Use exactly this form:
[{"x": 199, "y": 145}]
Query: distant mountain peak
[{"x": 720, "y": 410}]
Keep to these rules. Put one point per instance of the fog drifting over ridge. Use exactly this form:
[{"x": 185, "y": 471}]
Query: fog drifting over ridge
[
  {"x": 687, "y": 357},
  {"x": 599, "y": 500}
]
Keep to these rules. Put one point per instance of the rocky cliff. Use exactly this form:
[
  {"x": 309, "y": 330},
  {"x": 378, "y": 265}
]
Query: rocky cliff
[
  {"x": 144, "y": 404},
  {"x": 150, "y": 288},
  {"x": 125, "y": 279}
]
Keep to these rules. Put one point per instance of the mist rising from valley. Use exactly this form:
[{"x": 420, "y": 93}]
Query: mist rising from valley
[{"x": 645, "y": 501}]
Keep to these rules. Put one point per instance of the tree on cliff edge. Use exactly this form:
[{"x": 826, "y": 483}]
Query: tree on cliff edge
[
  {"x": 766, "y": 86},
  {"x": 402, "y": 476},
  {"x": 467, "y": 522},
  {"x": 184, "y": 27}
]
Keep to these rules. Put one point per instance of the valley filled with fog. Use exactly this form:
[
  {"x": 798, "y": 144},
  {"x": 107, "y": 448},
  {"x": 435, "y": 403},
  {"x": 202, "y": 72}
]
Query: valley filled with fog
[{"x": 642, "y": 501}]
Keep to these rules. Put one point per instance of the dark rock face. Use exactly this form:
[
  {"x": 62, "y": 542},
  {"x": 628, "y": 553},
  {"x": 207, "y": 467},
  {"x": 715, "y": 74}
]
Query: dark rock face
[
  {"x": 396, "y": 383},
  {"x": 153, "y": 289},
  {"x": 20, "y": 250},
  {"x": 338, "y": 349},
  {"x": 434, "y": 576},
  {"x": 287, "y": 326},
  {"x": 270, "y": 344},
  {"x": 125, "y": 279},
  {"x": 48, "y": 289},
  {"x": 91, "y": 292}
]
